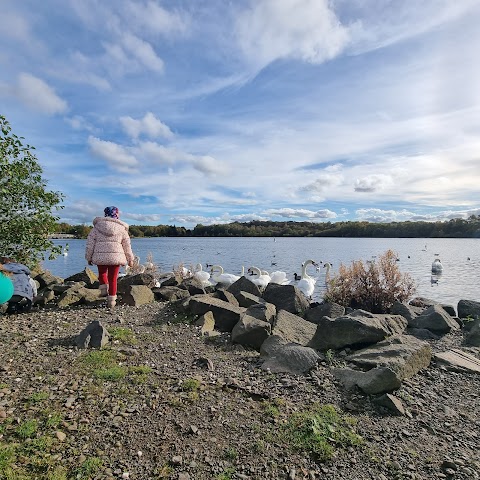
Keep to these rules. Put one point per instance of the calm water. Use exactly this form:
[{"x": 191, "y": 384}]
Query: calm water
[{"x": 460, "y": 258}]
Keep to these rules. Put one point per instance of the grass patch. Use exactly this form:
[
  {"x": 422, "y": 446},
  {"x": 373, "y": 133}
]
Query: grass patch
[
  {"x": 112, "y": 374},
  {"x": 122, "y": 335},
  {"x": 190, "y": 385},
  {"x": 7, "y": 459},
  {"x": 231, "y": 454},
  {"x": 319, "y": 430},
  {"x": 88, "y": 468},
  {"x": 53, "y": 420},
  {"x": 37, "y": 397},
  {"x": 98, "y": 358},
  {"x": 27, "y": 429},
  {"x": 270, "y": 409},
  {"x": 227, "y": 474}
]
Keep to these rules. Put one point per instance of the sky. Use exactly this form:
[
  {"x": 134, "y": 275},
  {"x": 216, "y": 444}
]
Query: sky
[{"x": 186, "y": 112}]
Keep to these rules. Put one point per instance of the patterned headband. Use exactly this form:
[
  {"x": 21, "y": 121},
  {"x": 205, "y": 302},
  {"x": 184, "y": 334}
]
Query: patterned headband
[{"x": 111, "y": 212}]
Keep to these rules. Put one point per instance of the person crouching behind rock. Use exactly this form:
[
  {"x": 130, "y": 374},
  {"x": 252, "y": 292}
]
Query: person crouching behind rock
[
  {"x": 108, "y": 247},
  {"x": 24, "y": 287}
]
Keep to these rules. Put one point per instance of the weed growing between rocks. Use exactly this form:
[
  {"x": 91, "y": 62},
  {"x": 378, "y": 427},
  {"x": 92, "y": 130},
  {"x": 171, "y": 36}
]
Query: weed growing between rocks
[{"x": 373, "y": 286}]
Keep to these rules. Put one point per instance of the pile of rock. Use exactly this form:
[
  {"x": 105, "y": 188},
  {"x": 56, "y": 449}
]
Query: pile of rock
[{"x": 377, "y": 352}]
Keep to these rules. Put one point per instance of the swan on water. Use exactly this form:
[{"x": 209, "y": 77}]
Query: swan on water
[
  {"x": 218, "y": 276},
  {"x": 307, "y": 283},
  {"x": 437, "y": 266},
  {"x": 327, "y": 266},
  {"x": 261, "y": 278}
]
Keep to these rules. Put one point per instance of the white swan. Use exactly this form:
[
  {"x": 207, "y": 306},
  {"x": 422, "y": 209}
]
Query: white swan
[
  {"x": 307, "y": 283},
  {"x": 218, "y": 276},
  {"x": 437, "y": 266},
  {"x": 261, "y": 278},
  {"x": 279, "y": 277},
  {"x": 201, "y": 276}
]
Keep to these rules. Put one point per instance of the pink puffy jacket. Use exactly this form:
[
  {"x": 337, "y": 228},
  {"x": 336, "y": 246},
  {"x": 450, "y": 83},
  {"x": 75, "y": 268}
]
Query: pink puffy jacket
[{"x": 108, "y": 243}]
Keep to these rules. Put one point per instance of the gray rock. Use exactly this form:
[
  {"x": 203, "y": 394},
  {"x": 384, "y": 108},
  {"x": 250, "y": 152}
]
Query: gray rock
[
  {"x": 286, "y": 297},
  {"x": 170, "y": 294},
  {"x": 468, "y": 308},
  {"x": 457, "y": 360},
  {"x": 358, "y": 328},
  {"x": 244, "y": 285},
  {"x": 392, "y": 403},
  {"x": 293, "y": 328},
  {"x": 88, "y": 276},
  {"x": 246, "y": 299},
  {"x": 435, "y": 319},
  {"x": 403, "y": 354},
  {"x": 262, "y": 311},
  {"x": 139, "y": 279},
  {"x": 227, "y": 296},
  {"x": 136, "y": 295},
  {"x": 291, "y": 358},
  {"x": 331, "y": 310},
  {"x": 94, "y": 335},
  {"x": 251, "y": 332},
  {"x": 377, "y": 380},
  {"x": 226, "y": 315},
  {"x": 472, "y": 336},
  {"x": 405, "y": 310}
]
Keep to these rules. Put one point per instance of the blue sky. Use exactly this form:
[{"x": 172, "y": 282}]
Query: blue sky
[{"x": 210, "y": 111}]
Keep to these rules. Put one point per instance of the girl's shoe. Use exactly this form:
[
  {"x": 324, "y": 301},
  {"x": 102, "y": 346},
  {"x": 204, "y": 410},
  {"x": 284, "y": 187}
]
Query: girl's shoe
[
  {"x": 111, "y": 301},
  {"x": 103, "y": 290}
]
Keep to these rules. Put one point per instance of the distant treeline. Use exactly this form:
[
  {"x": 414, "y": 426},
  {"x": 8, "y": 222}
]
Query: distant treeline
[{"x": 455, "y": 228}]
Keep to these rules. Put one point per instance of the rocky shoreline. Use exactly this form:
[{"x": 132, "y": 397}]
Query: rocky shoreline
[{"x": 197, "y": 383}]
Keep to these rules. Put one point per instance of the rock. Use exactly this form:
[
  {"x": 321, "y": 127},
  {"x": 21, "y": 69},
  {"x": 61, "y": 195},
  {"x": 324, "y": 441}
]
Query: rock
[
  {"x": 246, "y": 299},
  {"x": 262, "y": 311},
  {"x": 472, "y": 336},
  {"x": 468, "y": 308},
  {"x": 456, "y": 360},
  {"x": 145, "y": 279},
  {"x": 46, "y": 279},
  {"x": 392, "y": 403},
  {"x": 60, "y": 435},
  {"x": 403, "y": 354},
  {"x": 405, "y": 310},
  {"x": 288, "y": 357},
  {"x": 435, "y": 319},
  {"x": 331, "y": 310},
  {"x": 243, "y": 285},
  {"x": 94, "y": 335},
  {"x": 136, "y": 295},
  {"x": 358, "y": 328},
  {"x": 293, "y": 328},
  {"x": 376, "y": 380},
  {"x": 170, "y": 294},
  {"x": 226, "y": 315},
  {"x": 251, "y": 331},
  {"x": 286, "y": 297},
  {"x": 88, "y": 276},
  {"x": 193, "y": 286},
  {"x": 227, "y": 296}
]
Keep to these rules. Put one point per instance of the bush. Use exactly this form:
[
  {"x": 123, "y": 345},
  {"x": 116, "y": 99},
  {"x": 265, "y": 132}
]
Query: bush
[{"x": 374, "y": 286}]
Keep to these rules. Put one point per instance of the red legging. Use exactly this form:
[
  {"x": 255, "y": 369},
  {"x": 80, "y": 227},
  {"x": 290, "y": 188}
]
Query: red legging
[{"x": 107, "y": 274}]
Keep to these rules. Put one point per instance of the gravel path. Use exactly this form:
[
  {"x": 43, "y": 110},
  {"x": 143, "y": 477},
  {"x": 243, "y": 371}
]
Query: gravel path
[{"x": 165, "y": 402}]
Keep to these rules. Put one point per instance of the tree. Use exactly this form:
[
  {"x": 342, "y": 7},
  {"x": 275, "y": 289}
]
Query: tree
[{"x": 26, "y": 206}]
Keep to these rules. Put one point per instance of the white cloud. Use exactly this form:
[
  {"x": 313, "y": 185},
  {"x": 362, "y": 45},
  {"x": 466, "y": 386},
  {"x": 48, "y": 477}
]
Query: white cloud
[
  {"x": 138, "y": 217},
  {"x": 116, "y": 155},
  {"x": 373, "y": 183},
  {"x": 37, "y": 95},
  {"x": 155, "y": 19},
  {"x": 299, "y": 213},
  {"x": 148, "y": 125},
  {"x": 307, "y": 30},
  {"x": 143, "y": 52},
  {"x": 209, "y": 165}
]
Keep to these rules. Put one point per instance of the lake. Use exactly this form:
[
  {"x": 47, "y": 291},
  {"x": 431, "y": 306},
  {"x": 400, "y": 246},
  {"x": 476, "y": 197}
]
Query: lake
[{"x": 460, "y": 258}]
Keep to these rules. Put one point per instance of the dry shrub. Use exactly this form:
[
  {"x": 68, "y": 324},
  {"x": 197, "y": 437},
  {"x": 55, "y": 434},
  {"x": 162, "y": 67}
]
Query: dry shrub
[
  {"x": 374, "y": 286},
  {"x": 181, "y": 272}
]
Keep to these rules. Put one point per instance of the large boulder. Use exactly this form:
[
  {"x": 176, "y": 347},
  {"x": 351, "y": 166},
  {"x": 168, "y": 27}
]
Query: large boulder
[
  {"x": 293, "y": 328},
  {"x": 47, "y": 279},
  {"x": 88, "y": 276},
  {"x": 170, "y": 294},
  {"x": 459, "y": 361},
  {"x": 246, "y": 299},
  {"x": 435, "y": 319},
  {"x": 244, "y": 285},
  {"x": 468, "y": 308},
  {"x": 331, "y": 310},
  {"x": 262, "y": 311},
  {"x": 283, "y": 357},
  {"x": 472, "y": 336},
  {"x": 375, "y": 381},
  {"x": 136, "y": 295},
  {"x": 403, "y": 354},
  {"x": 78, "y": 295},
  {"x": 226, "y": 315},
  {"x": 251, "y": 331},
  {"x": 286, "y": 297},
  {"x": 140, "y": 279},
  {"x": 358, "y": 328},
  {"x": 405, "y": 310}
]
